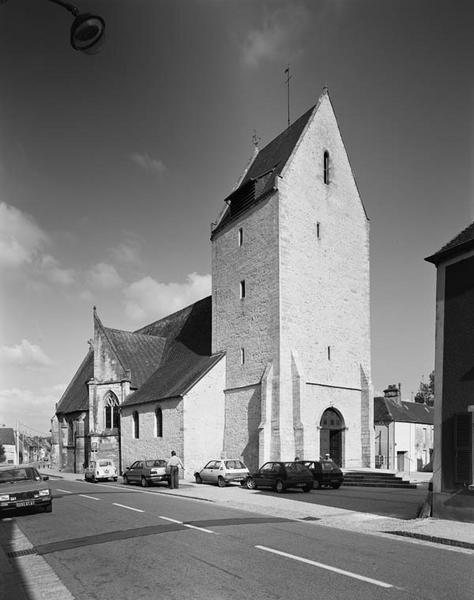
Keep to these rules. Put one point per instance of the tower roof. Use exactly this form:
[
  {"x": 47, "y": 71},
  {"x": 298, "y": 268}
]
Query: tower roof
[{"x": 259, "y": 180}]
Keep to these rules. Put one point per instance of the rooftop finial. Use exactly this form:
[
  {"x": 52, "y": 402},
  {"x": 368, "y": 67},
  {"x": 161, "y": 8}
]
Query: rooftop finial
[
  {"x": 287, "y": 81},
  {"x": 325, "y": 89},
  {"x": 255, "y": 139}
]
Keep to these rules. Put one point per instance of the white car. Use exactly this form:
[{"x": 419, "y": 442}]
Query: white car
[
  {"x": 101, "y": 469},
  {"x": 222, "y": 471}
]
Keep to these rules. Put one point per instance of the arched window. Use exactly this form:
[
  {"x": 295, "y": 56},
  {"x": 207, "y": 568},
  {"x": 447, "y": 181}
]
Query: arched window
[
  {"x": 136, "y": 425},
  {"x": 159, "y": 422},
  {"x": 326, "y": 167},
  {"x": 112, "y": 415}
]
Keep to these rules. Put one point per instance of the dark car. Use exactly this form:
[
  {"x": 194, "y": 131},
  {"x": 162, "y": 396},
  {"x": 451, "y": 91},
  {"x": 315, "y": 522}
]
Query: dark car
[
  {"x": 325, "y": 472},
  {"x": 146, "y": 472},
  {"x": 23, "y": 487},
  {"x": 281, "y": 476}
]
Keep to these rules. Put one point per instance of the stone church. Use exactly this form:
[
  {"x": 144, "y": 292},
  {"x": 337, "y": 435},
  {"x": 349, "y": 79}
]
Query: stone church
[{"x": 276, "y": 362}]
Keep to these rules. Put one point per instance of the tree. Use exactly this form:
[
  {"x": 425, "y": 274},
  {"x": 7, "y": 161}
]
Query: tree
[
  {"x": 425, "y": 393},
  {"x": 2, "y": 454}
]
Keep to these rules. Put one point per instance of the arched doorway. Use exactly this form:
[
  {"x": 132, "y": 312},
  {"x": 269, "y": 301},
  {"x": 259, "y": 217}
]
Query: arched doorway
[{"x": 332, "y": 435}]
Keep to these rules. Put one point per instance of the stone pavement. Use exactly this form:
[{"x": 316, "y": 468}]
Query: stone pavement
[{"x": 455, "y": 534}]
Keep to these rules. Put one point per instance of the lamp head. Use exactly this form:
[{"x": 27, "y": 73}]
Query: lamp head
[{"x": 88, "y": 33}]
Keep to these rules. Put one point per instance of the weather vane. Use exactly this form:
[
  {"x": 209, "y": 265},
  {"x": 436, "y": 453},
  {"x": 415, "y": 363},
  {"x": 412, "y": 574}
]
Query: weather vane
[{"x": 288, "y": 77}]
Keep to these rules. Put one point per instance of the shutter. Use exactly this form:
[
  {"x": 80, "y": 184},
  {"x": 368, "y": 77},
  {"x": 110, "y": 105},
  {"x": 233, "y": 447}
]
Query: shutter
[{"x": 463, "y": 448}]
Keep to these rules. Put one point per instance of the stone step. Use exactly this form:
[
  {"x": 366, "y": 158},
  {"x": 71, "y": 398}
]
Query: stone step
[{"x": 380, "y": 484}]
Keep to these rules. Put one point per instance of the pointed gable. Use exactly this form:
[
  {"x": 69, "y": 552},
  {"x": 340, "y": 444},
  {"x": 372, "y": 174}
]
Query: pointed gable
[
  {"x": 76, "y": 396},
  {"x": 259, "y": 180}
]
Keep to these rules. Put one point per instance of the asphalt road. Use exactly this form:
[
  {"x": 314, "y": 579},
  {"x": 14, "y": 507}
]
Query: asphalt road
[{"x": 115, "y": 542}]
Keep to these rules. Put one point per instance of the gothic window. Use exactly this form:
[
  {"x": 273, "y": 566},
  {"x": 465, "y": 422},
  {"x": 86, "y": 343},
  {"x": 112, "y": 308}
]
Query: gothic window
[
  {"x": 112, "y": 415},
  {"x": 242, "y": 289},
  {"x": 159, "y": 422},
  {"x": 326, "y": 167},
  {"x": 136, "y": 425}
]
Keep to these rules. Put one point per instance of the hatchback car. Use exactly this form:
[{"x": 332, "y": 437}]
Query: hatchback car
[
  {"x": 146, "y": 472},
  {"x": 325, "y": 472},
  {"x": 281, "y": 476},
  {"x": 222, "y": 472},
  {"x": 24, "y": 487},
  {"x": 100, "y": 470}
]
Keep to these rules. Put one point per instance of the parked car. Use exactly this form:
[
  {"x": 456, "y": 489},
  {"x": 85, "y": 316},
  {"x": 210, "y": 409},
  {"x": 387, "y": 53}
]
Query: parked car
[
  {"x": 281, "y": 476},
  {"x": 147, "y": 472},
  {"x": 325, "y": 472},
  {"x": 100, "y": 470},
  {"x": 222, "y": 472},
  {"x": 24, "y": 487}
]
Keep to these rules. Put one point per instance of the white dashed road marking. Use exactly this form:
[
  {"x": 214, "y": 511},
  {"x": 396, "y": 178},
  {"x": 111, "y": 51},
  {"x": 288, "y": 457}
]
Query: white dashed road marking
[
  {"x": 90, "y": 497},
  {"x": 327, "y": 567},
  {"x": 63, "y": 491},
  {"x": 188, "y": 526},
  {"x": 129, "y": 507}
]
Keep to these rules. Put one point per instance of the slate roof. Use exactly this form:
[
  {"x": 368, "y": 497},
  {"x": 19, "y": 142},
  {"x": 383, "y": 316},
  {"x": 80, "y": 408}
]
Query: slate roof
[
  {"x": 460, "y": 243},
  {"x": 7, "y": 436},
  {"x": 76, "y": 395},
  {"x": 387, "y": 410},
  {"x": 259, "y": 180},
  {"x": 165, "y": 358}
]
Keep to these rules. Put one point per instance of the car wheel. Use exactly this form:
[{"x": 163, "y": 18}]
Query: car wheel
[
  {"x": 279, "y": 486},
  {"x": 250, "y": 484},
  {"x": 115, "y": 478},
  {"x": 308, "y": 487},
  {"x": 335, "y": 486},
  {"x": 316, "y": 484},
  {"x": 125, "y": 480},
  {"x": 198, "y": 478},
  {"x": 94, "y": 480},
  {"x": 48, "y": 507},
  {"x": 221, "y": 481}
]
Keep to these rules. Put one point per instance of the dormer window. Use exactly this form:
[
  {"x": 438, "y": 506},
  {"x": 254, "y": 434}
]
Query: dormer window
[{"x": 326, "y": 167}]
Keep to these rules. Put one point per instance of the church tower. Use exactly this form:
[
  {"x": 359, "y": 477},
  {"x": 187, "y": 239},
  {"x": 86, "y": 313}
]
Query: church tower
[{"x": 290, "y": 301}]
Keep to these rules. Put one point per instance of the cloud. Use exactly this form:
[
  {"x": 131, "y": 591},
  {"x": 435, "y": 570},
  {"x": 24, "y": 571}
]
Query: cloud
[
  {"x": 104, "y": 275},
  {"x": 21, "y": 239},
  {"x": 33, "y": 408},
  {"x": 279, "y": 37},
  {"x": 51, "y": 267},
  {"x": 126, "y": 253},
  {"x": 150, "y": 299},
  {"x": 147, "y": 163},
  {"x": 24, "y": 354}
]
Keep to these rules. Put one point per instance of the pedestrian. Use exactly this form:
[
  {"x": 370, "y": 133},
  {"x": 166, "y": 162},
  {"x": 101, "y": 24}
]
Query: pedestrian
[{"x": 173, "y": 464}]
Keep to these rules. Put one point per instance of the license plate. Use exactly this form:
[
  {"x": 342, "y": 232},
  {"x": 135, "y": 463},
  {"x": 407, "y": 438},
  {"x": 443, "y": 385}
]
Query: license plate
[
  {"x": 25, "y": 503},
  {"x": 300, "y": 484}
]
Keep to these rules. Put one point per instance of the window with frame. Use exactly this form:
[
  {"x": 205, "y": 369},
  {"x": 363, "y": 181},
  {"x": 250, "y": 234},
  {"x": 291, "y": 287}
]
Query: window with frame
[
  {"x": 112, "y": 415},
  {"x": 136, "y": 425},
  {"x": 159, "y": 422},
  {"x": 326, "y": 164}
]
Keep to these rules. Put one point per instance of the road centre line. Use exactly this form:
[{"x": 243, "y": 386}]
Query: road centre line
[
  {"x": 64, "y": 491},
  {"x": 86, "y": 496},
  {"x": 327, "y": 567},
  {"x": 129, "y": 507},
  {"x": 187, "y": 525}
]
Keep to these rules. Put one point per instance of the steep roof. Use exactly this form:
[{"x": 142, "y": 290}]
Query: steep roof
[
  {"x": 259, "y": 180},
  {"x": 7, "y": 436},
  {"x": 401, "y": 411},
  {"x": 460, "y": 243},
  {"x": 165, "y": 358},
  {"x": 76, "y": 396}
]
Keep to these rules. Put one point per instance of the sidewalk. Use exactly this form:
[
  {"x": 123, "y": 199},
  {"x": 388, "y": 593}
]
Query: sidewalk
[{"x": 450, "y": 533}]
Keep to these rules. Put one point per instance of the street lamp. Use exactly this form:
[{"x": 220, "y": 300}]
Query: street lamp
[{"x": 87, "y": 30}]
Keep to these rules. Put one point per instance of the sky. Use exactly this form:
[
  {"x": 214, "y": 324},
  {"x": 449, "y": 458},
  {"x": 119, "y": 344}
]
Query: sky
[{"x": 113, "y": 166}]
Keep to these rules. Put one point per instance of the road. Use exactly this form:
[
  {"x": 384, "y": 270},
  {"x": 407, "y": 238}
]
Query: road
[{"x": 115, "y": 542}]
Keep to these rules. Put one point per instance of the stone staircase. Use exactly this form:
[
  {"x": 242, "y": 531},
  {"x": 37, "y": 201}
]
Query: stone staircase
[{"x": 376, "y": 479}]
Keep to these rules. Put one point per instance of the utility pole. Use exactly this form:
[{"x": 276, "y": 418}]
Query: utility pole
[
  {"x": 17, "y": 442},
  {"x": 288, "y": 77}
]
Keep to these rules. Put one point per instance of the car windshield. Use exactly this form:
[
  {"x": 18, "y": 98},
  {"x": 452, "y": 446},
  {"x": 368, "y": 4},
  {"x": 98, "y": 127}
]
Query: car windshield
[
  {"x": 328, "y": 465},
  {"x": 234, "y": 464},
  {"x": 295, "y": 467},
  {"x": 105, "y": 463},
  {"x": 19, "y": 474},
  {"x": 155, "y": 463}
]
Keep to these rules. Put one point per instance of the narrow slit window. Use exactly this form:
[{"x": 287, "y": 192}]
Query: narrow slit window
[
  {"x": 242, "y": 289},
  {"x": 329, "y": 352},
  {"x": 242, "y": 356},
  {"x": 136, "y": 426},
  {"x": 241, "y": 236},
  {"x": 326, "y": 167},
  {"x": 318, "y": 230},
  {"x": 159, "y": 422}
]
